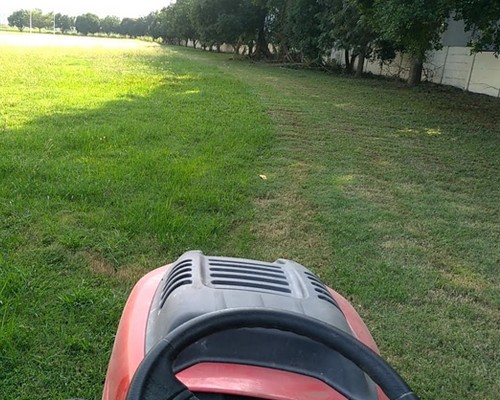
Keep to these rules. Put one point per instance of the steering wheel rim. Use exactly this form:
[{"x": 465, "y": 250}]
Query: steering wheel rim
[{"x": 155, "y": 379}]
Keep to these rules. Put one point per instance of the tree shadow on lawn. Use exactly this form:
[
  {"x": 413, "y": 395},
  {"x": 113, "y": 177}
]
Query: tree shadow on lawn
[{"x": 170, "y": 165}]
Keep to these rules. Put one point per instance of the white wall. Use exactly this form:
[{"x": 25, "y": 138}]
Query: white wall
[
  {"x": 455, "y": 66},
  {"x": 485, "y": 76}
]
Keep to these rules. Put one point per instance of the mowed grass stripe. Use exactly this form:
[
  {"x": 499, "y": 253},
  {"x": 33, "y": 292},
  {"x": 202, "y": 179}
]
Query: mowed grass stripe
[{"x": 392, "y": 195}]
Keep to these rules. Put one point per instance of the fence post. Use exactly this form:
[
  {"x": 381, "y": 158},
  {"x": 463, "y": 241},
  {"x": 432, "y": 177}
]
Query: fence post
[
  {"x": 470, "y": 72},
  {"x": 444, "y": 64}
]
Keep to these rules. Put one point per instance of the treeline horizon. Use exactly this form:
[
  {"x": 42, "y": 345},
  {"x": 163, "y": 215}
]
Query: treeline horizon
[
  {"x": 300, "y": 31},
  {"x": 87, "y": 23}
]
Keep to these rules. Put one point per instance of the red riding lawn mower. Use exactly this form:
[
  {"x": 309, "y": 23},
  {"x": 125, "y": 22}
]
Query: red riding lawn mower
[{"x": 218, "y": 328}]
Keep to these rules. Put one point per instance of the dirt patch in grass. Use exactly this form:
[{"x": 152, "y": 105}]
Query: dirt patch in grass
[
  {"x": 284, "y": 226},
  {"x": 99, "y": 265}
]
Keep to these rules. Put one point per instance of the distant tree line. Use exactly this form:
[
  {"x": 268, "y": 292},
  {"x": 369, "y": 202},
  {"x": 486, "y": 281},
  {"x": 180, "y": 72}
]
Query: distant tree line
[
  {"x": 305, "y": 31},
  {"x": 83, "y": 24},
  {"x": 39, "y": 20}
]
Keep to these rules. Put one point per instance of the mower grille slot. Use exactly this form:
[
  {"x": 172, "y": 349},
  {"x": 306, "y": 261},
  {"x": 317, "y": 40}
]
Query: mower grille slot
[
  {"x": 250, "y": 278},
  {"x": 180, "y": 275},
  {"x": 226, "y": 263},
  {"x": 253, "y": 271},
  {"x": 250, "y": 285},
  {"x": 320, "y": 288},
  {"x": 241, "y": 274}
]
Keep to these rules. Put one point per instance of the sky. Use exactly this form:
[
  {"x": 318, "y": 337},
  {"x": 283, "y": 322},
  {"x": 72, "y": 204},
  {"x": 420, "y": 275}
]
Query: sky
[{"x": 123, "y": 8}]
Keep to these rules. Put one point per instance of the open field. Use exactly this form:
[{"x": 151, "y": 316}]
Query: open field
[
  {"x": 116, "y": 159},
  {"x": 26, "y": 40}
]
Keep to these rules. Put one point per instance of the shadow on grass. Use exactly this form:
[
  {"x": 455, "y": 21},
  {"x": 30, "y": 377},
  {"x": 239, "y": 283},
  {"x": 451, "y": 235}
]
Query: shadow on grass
[{"x": 174, "y": 165}]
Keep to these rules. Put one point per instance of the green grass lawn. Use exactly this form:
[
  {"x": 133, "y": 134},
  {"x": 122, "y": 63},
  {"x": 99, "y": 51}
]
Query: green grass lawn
[{"x": 114, "y": 161}]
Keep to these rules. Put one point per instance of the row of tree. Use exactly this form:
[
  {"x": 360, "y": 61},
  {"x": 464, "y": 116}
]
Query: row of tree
[
  {"x": 306, "y": 30},
  {"x": 38, "y": 20},
  {"x": 83, "y": 24},
  {"x": 302, "y": 30}
]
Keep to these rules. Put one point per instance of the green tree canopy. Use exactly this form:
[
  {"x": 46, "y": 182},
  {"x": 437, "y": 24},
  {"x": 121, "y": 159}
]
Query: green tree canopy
[
  {"x": 110, "y": 24},
  {"x": 344, "y": 26},
  {"x": 20, "y": 19},
  {"x": 153, "y": 23},
  {"x": 64, "y": 22},
  {"x": 483, "y": 18},
  {"x": 301, "y": 25},
  {"x": 307, "y": 30},
  {"x": 40, "y": 20},
  {"x": 224, "y": 21},
  {"x": 414, "y": 26},
  {"x": 87, "y": 23},
  {"x": 133, "y": 27}
]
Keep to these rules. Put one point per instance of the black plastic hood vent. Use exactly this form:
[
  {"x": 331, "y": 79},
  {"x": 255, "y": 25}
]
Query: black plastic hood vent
[
  {"x": 320, "y": 289},
  {"x": 235, "y": 274},
  {"x": 180, "y": 275}
]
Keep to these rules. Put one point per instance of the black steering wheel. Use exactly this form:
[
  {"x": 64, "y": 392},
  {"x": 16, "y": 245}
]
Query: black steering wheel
[{"x": 156, "y": 380}]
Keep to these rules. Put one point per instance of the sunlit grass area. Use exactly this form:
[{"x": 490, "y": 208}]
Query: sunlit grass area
[{"x": 114, "y": 161}]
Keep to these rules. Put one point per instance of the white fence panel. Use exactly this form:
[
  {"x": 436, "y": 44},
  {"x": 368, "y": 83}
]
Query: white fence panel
[
  {"x": 455, "y": 66},
  {"x": 434, "y": 67},
  {"x": 458, "y": 67},
  {"x": 485, "y": 77}
]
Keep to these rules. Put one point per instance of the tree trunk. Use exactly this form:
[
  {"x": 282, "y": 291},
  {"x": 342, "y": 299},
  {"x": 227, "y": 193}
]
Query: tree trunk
[
  {"x": 348, "y": 62},
  {"x": 353, "y": 61},
  {"x": 361, "y": 64},
  {"x": 283, "y": 52},
  {"x": 416, "y": 67},
  {"x": 194, "y": 43},
  {"x": 250, "y": 45},
  {"x": 274, "y": 49},
  {"x": 261, "y": 49}
]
